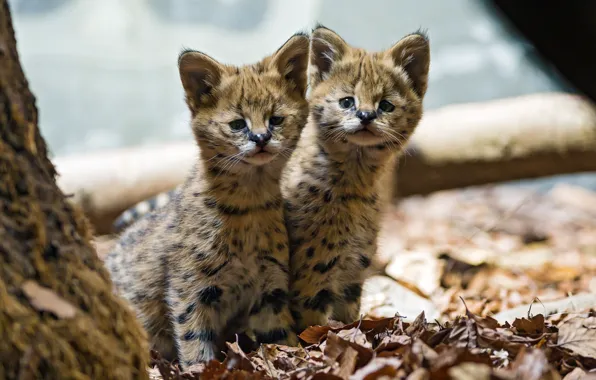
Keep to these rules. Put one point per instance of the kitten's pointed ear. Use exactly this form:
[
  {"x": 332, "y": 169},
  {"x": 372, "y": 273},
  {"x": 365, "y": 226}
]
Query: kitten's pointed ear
[
  {"x": 200, "y": 75},
  {"x": 412, "y": 53},
  {"x": 326, "y": 48},
  {"x": 291, "y": 61}
]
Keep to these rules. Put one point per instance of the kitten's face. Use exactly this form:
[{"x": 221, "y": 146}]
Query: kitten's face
[
  {"x": 247, "y": 116},
  {"x": 367, "y": 99}
]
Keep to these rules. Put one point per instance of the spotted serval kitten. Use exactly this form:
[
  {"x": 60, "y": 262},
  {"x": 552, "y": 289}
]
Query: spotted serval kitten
[
  {"x": 363, "y": 108},
  {"x": 214, "y": 261}
]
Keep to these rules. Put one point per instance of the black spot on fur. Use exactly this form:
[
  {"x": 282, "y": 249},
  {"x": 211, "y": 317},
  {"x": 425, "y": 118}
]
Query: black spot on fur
[
  {"x": 271, "y": 336},
  {"x": 210, "y": 295},
  {"x": 352, "y": 292},
  {"x": 326, "y": 267},
  {"x": 313, "y": 190},
  {"x": 183, "y": 318},
  {"x": 255, "y": 309},
  {"x": 310, "y": 252},
  {"x": 276, "y": 262},
  {"x": 296, "y": 315},
  {"x": 213, "y": 271},
  {"x": 330, "y": 246},
  {"x": 281, "y": 246},
  {"x": 207, "y": 335},
  {"x": 317, "y": 113},
  {"x": 210, "y": 202},
  {"x": 321, "y": 301},
  {"x": 328, "y": 196},
  {"x": 364, "y": 261},
  {"x": 278, "y": 299}
]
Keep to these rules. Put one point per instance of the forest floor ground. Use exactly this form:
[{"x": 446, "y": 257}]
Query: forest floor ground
[{"x": 486, "y": 283}]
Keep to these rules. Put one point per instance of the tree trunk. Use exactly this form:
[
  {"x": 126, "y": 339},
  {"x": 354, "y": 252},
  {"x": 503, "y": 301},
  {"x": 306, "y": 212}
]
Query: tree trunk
[{"x": 58, "y": 315}]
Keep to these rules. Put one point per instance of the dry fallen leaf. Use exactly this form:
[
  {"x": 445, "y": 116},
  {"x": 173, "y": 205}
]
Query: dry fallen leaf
[
  {"x": 45, "y": 299},
  {"x": 384, "y": 297},
  {"x": 579, "y": 336},
  {"x": 420, "y": 268},
  {"x": 579, "y": 374},
  {"x": 379, "y": 368},
  {"x": 532, "y": 364},
  {"x": 470, "y": 371}
]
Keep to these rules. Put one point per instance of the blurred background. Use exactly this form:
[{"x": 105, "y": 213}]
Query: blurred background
[{"x": 104, "y": 72}]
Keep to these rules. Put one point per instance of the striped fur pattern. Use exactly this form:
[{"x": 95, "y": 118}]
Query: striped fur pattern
[
  {"x": 214, "y": 261},
  {"x": 138, "y": 211},
  {"x": 364, "y": 106}
]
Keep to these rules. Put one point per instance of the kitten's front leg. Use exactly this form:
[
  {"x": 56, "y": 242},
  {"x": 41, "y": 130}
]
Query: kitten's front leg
[
  {"x": 198, "y": 323},
  {"x": 311, "y": 307},
  {"x": 270, "y": 316},
  {"x": 347, "y": 307}
]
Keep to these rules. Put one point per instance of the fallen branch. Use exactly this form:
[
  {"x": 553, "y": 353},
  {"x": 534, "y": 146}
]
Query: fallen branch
[
  {"x": 456, "y": 146},
  {"x": 579, "y": 302}
]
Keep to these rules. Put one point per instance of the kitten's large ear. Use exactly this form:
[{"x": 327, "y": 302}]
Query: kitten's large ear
[
  {"x": 200, "y": 74},
  {"x": 326, "y": 48},
  {"x": 412, "y": 53},
  {"x": 291, "y": 61}
]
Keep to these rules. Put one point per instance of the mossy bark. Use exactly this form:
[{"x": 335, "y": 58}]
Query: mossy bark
[{"x": 68, "y": 324}]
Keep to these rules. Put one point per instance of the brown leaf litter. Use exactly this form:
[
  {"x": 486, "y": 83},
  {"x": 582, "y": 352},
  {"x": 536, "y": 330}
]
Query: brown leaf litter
[{"x": 490, "y": 283}]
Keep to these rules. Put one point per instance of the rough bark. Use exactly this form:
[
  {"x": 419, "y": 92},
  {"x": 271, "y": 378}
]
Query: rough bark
[
  {"x": 461, "y": 145},
  {"x": 58, "y": 315}
]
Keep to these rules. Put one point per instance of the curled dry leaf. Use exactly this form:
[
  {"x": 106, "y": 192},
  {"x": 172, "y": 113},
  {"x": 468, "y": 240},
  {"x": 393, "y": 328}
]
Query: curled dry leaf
[
  {"x": 45, "y": 299},
  {"x": 532, "y": 326},
  {"x": 579, "y": 336},
  {"x": 336, "y": 346}
]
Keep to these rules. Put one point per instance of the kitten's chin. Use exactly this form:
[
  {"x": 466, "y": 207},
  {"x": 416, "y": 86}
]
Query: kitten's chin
[
  {"x": 364, "y": 138},
  {"x": 260, "y": 158}
]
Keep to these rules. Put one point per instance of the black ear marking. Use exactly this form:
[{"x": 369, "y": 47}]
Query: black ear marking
[
  {"x": 199, "y": 74},
  {"x": 326, "y": 48}
]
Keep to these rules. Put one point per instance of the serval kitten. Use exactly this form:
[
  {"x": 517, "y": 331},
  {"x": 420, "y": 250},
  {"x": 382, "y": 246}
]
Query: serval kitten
[
  {"x": 363, "y": 108},
  {"x": 214, "y": 261}
]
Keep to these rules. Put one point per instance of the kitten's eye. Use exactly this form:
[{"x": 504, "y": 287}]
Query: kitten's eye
[
  {"x": 276, "y": 120},
  {"x": 238, "y": 125},
  {"x": 386, "y": 106},
  {"x": 347, "y": 102}
]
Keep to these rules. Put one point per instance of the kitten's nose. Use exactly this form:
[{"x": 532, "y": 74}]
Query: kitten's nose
[
  {"x": 366, "y": 116},
  {"x": 261, "y": 139}
]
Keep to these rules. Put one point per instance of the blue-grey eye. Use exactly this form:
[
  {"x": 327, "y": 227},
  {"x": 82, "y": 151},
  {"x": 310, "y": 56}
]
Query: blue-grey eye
[
  {"x": 276, "y": 120},
  {"x": 347, "y": 102},
  {"x": 386, "y": 106},
  {"x": 238, "y": 125}
]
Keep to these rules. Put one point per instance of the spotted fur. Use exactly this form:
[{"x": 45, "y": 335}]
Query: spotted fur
[
  {"x": 215, "y": 261},
  {"x": 332, "y": 185}
]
